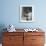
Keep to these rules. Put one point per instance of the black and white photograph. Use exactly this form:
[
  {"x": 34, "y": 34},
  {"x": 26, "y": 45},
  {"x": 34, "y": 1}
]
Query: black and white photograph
[{"x": 26, "y": 13}]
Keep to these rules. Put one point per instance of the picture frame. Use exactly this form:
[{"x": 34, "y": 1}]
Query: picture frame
[{"x": 26, "y": 13}]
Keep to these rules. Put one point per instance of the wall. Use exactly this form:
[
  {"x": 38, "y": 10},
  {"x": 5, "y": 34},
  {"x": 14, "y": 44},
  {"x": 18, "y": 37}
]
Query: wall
[{"x": 10, "y": 13}]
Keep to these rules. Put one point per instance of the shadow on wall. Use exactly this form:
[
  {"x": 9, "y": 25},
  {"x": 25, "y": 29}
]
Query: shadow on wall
[{"x": 2, "y": 26}]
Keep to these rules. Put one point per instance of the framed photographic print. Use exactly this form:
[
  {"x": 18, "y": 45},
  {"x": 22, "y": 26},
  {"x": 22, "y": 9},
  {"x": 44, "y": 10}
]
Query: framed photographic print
[{"x": 26, "y": 13}]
